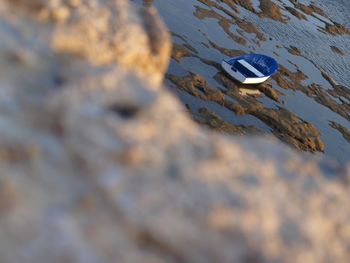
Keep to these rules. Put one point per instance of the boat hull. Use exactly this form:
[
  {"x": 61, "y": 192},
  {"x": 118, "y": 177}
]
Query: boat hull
[{"x": 240, "y": 77}]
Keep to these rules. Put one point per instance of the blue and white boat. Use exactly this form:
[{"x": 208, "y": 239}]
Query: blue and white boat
[{"x": 250, "y": 68}]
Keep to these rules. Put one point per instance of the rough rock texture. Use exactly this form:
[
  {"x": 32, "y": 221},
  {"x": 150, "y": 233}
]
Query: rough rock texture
[
  {"x": 104, "y": 33},
  {"x": 98, "y": 164}
]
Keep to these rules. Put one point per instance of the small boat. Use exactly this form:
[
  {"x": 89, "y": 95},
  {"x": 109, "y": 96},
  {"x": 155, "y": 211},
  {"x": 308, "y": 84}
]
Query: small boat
[{"x": 250, "y": 68}]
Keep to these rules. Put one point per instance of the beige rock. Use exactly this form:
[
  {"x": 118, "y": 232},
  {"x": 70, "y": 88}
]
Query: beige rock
[{"x": 98, "y": 164}]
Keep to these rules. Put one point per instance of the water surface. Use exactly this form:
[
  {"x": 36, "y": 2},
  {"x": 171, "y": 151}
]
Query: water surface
[{"x": 306, "y": 105}]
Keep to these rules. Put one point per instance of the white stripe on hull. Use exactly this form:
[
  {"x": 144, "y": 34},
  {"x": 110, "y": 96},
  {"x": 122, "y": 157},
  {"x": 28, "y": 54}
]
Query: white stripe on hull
[
  {"x": 240, "y": 77},
  {"x": 251, "y": 68},
  {"x": 255, "y": 80}
]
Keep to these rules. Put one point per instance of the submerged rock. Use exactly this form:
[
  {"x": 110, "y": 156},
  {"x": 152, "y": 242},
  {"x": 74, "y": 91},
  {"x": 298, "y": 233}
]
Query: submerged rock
[{"x": 100, "y": 164}]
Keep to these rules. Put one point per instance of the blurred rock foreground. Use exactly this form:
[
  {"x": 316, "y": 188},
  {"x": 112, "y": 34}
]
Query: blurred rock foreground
[{"x": 99, "y": 163}]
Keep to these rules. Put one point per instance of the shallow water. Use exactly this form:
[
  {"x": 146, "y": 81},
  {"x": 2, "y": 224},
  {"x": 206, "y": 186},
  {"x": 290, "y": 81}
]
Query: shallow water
[{"x": 302, "y": 105}]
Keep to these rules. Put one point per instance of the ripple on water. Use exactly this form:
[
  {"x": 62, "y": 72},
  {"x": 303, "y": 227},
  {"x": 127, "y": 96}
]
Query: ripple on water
[{"x": 306, "y": 105}]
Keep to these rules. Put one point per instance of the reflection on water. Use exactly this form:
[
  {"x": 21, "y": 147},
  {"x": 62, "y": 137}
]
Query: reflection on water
[{"x": 303, "y": 105}]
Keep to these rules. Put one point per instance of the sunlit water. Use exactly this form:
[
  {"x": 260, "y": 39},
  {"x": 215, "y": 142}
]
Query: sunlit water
[{"x": 308, "y": 36}]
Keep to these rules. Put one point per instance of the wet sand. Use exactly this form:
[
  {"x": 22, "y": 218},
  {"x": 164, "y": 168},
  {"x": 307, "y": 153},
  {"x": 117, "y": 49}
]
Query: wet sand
[{"x": 306, "y": 104}]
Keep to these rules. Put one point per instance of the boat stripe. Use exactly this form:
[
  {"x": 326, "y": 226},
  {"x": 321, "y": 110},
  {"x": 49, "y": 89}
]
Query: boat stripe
[{"x": 251, "y": 68}]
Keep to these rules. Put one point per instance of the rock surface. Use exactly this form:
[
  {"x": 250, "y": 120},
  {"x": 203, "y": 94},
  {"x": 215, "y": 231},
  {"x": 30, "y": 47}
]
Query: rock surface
[{"x": 98, "y": 163}]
